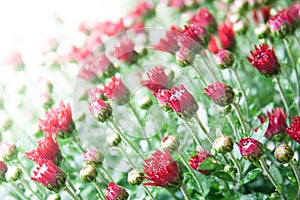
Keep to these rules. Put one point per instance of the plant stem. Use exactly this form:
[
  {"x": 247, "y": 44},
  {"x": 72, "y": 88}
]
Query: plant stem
[
  {"x": 237, "y": 137},
  {"x": 242, "y": 90},
  {"x": 135, "y": 113},
  {"x": 185, "y": 193},
  {"x": 296, "y": 71},
  {"x": 77, "y": 144},
  {"x": 194, "y": 134},
  {"x": 148, "y": 192},
  {"x": 126, "y": 140},
  {"x": 272, "y": 179},
  {"x": 296, "y": 172},
  {"x": 240, "y": 116},
  {"x": 27, "y": 186},
  {"x": 203, "y": 129},
  {"x": 108, "y": 177},
  {"x": 277, "y": 81},
  {"x": 200, "y": 75},
  {"x": 70, "y": 193},
  {"x": 133, "y": 166},
  {"x": 192, "y": 172},
  {"x": 97, "y": 186},
  {"x": 73, "y": 189},
  {"x": 126, "y": 156},
  {"x": 237, "y": 165},
  {"x": 18, "y": 191}
]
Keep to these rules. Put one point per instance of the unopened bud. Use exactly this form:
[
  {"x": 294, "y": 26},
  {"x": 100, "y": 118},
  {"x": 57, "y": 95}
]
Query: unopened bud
[
  {"x": 135, "y": 177},
  {"x": 145, "y": 103},
  {"x": 251, "y": 149},
  {"x": 3, "y": 170},
  {"x": 262, "y": 31},
  {"x": 93, "y": 157},
  {"x": 223, "y": 144},
  {"x": 113, "y": 140},
  {"x": 54, "y": 197},
  {"x": 13, "y": 174},
  {"x": 88, "y": 173},
  {"x": 8, "y": 151},
  {"x": 283, "y": 153},
  {"x": 224, "y": 59},
  {"x": 170, "y": 143}
]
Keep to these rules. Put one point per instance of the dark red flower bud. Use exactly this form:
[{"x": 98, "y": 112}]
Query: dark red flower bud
[
  {"x": 197, "y": 159},
  {"x": 250, "y": 149},
  {"x": 220, "y": 93},
  {"x": 115, "y": 192}
]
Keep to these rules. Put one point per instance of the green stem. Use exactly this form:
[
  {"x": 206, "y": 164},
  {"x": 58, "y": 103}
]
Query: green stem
[
  {"x": 185, "y": 193},
  {"x": 203, "y": 129},
  {"x": 77, "y": 144},
  {"x": 237, "y": 165},
  {"x": 126, "y": 140},
  {"x": 18, "y": 191},
  {"x": 70, "y": 193},
  {"x": 200, "y": 75},
  {"x": 148, "y": 192},
  {"x": 194, "y": 134},
  {"x": 296, "y": 172},
  {"x": 73, "y": 189},
  {"x": 126, "y": 156},
  {"x": 209, "y": 69},
  {"x": 271, "y": 178},
  {"x": 240, "y": 116},
  {"x": 237, "y": 137},
  {"x": 296, "y": 71},
  {"x": 242, "y": 90},
  {"x": 192, "y": 172},
  {"x": 277, "y": 81},
  {"x": 97, "y": 186},
  {"x": 27, "y": 186},
  {"x": 135, "y": 113},
  {"x": 108, "y": 177}
]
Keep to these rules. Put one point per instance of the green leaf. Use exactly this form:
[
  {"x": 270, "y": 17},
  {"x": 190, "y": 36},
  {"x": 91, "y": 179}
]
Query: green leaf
[
  {"x": 276, "y": 174},
  {"x": 210, "y": 164},
  {"x": 223, "y": 175},
  {"x": 250, "y": 176}
]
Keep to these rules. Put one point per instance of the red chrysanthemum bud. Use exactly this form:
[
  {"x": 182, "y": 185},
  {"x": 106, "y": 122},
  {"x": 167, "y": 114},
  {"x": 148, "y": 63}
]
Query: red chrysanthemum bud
[
  {"x": 8, "y": 151},
  {"x": 3, "y": 170},
  {"x": 125, "y": 51},
  {"x": 162, "y": 170},
  {"x": 93, "y": 156},
  {"x": 163, "y": 97},
  {"x": 116, "y": 91},
  {"x": 205, "y": 19},
  {"x": 50, "y": 176},
  {"x": 281, "y": 24},
  {"x": 226, "y": 36},
  {"x": 224, "y": 59},
  {"x": 197, "y": 159},
  {"x": 277, "y": 122},
  {"x": 170, "y": 143},
  {"x": 169, "y": 42},
  {"x": 250, "y": 149},
  {"x": 58, "y": 120},
  {"x": 212, "y": 45},
  {"x": 116, "y": 192},
  {"x": 220, "y": 93},
  {"x": 135, "y": 177},
  {"x": 88, "y": 173},
  {"x": 284, "y": 153},
  {"x": 47, "y": 149},
  {"x": 294, "y": 129},
  {"x": 100, "y": 110},
  {"x": 294, "y": 11},
  {"x": 265, "y": 60},
  {"x": 182, "y": 102},
  {"x": 157, "y": 79},
  {"x": 223, "y": 144}
]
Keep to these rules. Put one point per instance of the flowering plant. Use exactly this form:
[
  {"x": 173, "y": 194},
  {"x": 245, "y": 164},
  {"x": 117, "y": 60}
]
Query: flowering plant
[{"x": 205, "y": 104}]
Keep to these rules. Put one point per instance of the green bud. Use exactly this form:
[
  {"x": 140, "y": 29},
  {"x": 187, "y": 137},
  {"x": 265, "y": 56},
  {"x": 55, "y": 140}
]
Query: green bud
[
  {"x": 170, "y": 143},
  {"x": 13, "y": 174},
  {"x": 88, "y": 173},
  {"x": 283, "y": 153},
  {"x": 145, "y": 103},
  {"x": 113, "y": 140},
  {"x": 135, "y": 177},
  {"x": 223, "y": 144}
]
